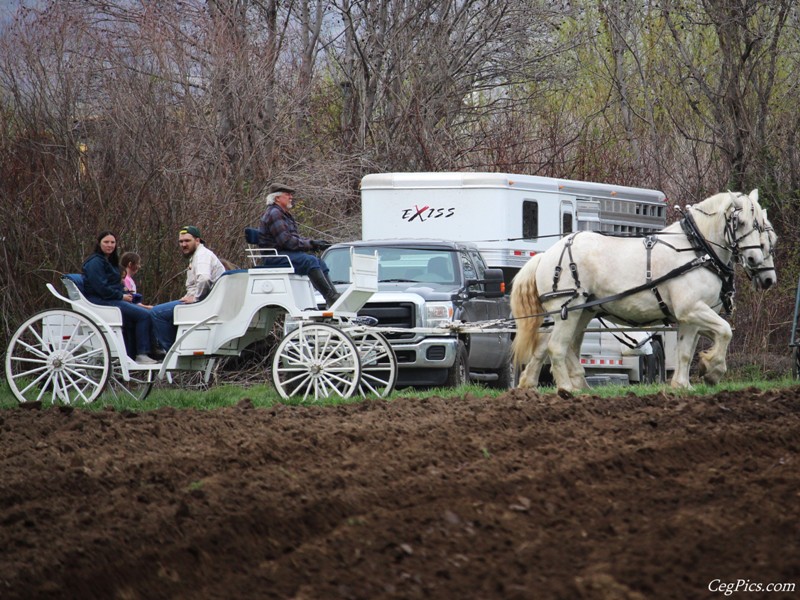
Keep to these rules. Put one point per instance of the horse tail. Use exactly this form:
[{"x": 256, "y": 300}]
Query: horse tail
[{"x": 524, "y": 305}]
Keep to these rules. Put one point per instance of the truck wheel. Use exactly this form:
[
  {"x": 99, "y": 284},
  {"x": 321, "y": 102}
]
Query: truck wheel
[
  {"x": 458, "y": 374},
  {"x": 655, "y": 370},
  {"x": 508, "y": 375}
]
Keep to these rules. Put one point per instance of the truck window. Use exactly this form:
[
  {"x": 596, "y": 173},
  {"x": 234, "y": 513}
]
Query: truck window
[
  {"x": 477, "y": 261},
  {"x": 469, "y": 269},
  {"x": 530, "y": 219}
]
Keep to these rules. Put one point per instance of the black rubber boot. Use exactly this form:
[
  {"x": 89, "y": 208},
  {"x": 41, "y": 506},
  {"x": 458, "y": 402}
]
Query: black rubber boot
[{"x": 324, "y": 286}]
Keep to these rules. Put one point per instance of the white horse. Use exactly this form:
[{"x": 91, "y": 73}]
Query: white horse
[{"x": 681, "y": 274}]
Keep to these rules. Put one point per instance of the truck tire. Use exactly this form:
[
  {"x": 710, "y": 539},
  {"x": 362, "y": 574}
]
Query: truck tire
[
  {"x": 458, "y": 374},
  {"x": 507, "y": 376},
  {"x": 655, "y": 370}
]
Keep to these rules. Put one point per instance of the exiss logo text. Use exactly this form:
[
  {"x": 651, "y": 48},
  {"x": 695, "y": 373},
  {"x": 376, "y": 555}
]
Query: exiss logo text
[{"x": 427, "y": 212}]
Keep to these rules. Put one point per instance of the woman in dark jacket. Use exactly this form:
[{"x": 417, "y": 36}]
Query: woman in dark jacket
[{"x": 103, "y": 285}]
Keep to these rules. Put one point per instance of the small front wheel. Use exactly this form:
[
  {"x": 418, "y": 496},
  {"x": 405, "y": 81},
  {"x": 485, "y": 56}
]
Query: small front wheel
[
  {"x": 378, "y": 364},
  {"x": 316, "y": 360},
  {"x": 57, "y": 355}
]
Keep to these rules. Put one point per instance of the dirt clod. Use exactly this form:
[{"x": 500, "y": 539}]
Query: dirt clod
[{"x": 523, "y": 496}]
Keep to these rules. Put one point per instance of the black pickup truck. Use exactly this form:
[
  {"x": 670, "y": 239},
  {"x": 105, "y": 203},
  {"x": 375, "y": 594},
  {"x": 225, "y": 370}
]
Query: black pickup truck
[{"x": 425, "y": 284}]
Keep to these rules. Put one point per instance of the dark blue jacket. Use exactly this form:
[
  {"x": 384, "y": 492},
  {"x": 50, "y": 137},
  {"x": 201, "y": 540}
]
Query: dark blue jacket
[{"x": 101, "y": 279}]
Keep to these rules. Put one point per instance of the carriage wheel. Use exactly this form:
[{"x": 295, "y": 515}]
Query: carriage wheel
[
  {"x": 136, "y": 388},
  {"x": 57, "y": 355},
  {"x": 378, "y": 364},
  {"x": 316, "y": 360}
]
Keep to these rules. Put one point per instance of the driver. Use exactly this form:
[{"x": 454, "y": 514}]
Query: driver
[{"x": 278, "y": 229}]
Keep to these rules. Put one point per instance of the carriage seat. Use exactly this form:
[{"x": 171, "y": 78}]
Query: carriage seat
[
  {"x": 225, "y": 299},
  {"x": 263, "y": 257},
  {"x": 73, "y": 283}
]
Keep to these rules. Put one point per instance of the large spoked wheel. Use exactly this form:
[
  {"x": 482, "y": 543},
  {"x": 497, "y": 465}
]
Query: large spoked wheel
[
  {"x": 137, "y": 387},
  {"x": 316, "y": 361},
  {"x": 57, "y": 355},
  {"x": 378, "y": 364}
]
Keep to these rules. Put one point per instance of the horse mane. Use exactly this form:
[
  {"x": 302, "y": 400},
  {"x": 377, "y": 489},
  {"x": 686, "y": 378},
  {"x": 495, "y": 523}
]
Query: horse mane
[{"x": 710, "y": 214}]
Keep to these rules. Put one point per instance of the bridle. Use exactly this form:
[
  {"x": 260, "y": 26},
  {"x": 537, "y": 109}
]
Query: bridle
[{"x": 733, "y": 242}]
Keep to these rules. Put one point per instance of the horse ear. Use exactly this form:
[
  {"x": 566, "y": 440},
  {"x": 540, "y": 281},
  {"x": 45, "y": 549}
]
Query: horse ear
[{"x": 754, "y": 195}]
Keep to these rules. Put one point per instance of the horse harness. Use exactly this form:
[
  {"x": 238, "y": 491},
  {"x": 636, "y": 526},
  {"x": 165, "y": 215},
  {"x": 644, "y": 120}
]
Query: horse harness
[{"x": 705, "y": 257}]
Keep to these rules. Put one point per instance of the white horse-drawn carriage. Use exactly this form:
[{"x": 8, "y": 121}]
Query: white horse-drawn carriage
[{"x": 75, "y": 354}]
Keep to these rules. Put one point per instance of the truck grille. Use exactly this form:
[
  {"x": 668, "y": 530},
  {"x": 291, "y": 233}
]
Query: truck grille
[{"x": 400, "y": 316}]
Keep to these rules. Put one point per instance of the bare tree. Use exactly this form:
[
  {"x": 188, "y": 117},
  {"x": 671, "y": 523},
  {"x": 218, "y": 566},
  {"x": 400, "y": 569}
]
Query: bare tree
[{"x": 730, "y": 91}]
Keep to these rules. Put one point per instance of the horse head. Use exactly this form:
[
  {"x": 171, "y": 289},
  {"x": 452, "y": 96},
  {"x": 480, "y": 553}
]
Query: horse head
[
  {"x": 764, "y": 275},
  {"x": 728, "y": 223},
  {"x": 743, "y": 230}
]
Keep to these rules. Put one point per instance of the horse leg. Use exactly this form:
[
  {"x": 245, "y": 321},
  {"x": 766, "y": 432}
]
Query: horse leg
[
  {"x": 687, "y": 342},
  {"x": 712, "y": 364},
  {"x": 577, "y": 373},
  {"x": 530, "y": 376},
  {"x": 559, "y": 346}
]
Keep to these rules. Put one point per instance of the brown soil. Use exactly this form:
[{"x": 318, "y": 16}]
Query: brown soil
[{"x": 524, "y": 496}]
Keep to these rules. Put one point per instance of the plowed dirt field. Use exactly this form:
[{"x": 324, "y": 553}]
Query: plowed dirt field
[{"x": 522, "y": 496}]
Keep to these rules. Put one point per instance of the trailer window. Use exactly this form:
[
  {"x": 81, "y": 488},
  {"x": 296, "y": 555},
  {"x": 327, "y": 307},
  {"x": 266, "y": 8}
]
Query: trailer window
[
  {"x": 566, "y": 223},
  {"x": 530, "y": 219}
]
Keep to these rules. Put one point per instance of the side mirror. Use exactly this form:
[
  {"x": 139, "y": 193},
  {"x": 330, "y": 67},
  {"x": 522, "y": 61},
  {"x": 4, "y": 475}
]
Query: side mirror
[{"x": 493, "y": 282}]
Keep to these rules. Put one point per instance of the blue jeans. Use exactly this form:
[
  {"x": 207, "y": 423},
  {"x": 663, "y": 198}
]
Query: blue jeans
[
  {"x": 136, "y": 323},
  {"x": 303, "y": 263},
  {"x": 163, "y": 327}
]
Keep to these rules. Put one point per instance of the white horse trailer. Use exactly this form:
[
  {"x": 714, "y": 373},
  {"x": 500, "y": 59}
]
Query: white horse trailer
[{"x": 513, "y": 217}]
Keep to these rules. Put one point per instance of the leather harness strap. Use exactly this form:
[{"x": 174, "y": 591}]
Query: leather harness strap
[
  {"x": 650, "y": 242},
  {"x": 706, "y": 257}
]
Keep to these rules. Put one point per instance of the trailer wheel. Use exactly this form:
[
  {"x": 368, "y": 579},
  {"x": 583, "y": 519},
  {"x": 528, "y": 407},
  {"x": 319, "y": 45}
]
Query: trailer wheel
[
  {"x": 655, "y": 364},
  {"x": 378, "y": 364},
  {"x": 316, "y": 360},
  {"x": 57, "y": 355},
  {"x": 458, "y": 374}
]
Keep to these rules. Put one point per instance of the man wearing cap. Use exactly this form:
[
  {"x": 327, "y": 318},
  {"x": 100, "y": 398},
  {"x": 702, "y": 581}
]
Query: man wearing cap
[
  {"x": 278, "y": 230},
  {"x": 204, "y": 269}
]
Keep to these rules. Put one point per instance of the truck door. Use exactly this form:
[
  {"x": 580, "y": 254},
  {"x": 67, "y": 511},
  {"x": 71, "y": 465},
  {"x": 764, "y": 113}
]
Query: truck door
[{"x": 487, "y": 350}]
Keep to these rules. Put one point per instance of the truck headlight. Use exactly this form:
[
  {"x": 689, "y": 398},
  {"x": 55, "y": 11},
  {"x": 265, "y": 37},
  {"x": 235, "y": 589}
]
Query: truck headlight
[{"x": 438, "y": 314}]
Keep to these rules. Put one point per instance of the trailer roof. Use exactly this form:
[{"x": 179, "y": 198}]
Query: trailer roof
[{"x": 464, "y": 180}]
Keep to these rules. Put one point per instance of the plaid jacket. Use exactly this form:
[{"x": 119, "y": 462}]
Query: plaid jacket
[{"x": 278, "y": 230}]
